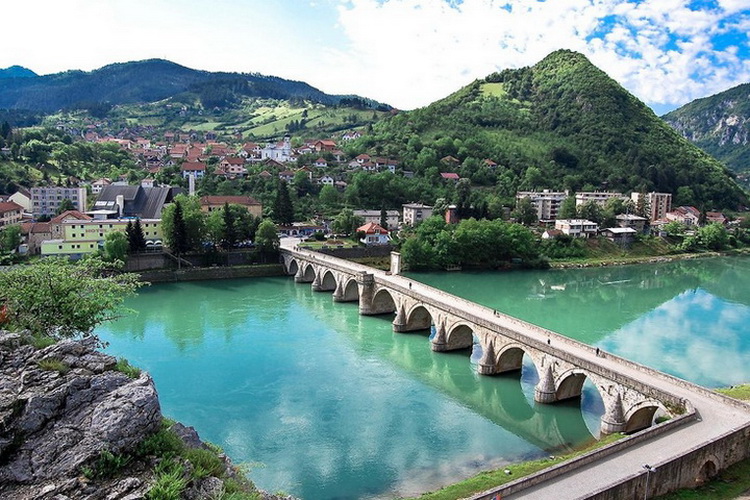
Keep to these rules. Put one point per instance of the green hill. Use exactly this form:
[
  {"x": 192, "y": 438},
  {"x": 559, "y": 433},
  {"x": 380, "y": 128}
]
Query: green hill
[
  {"x": 560, "y": 124},
  {"x": 16, "y": 72},
  {"x": 719, "y": 124}
]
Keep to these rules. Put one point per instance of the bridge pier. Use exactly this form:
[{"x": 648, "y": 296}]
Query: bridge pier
[
  {"x": 613, "y": 419},
  {"x": 544, "y": 392},
  {"x": 486, "y": 365},
  {"x": 338, "y": 293},
  {"x": 366, "y": 283},
  {"x": 399, "y": 322},
  {"x": 316, "y": 286},
  {"x": 439, "y": 342}
]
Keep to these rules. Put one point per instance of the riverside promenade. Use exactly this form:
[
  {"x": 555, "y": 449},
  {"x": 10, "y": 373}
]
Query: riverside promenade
[{"x": 711, "y": 433}]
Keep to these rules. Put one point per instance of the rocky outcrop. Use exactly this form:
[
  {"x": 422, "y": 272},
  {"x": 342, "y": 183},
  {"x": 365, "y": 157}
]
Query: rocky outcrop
[
  {"x": 65, "y": 409},
  {"x": 60, "y": 408}
]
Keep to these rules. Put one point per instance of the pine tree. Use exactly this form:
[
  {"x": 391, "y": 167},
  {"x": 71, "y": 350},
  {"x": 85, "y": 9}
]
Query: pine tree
[
  {"x": 179, "y": 237},
  {"x": 136, "y": 238},
  {"x": 283, "y": 209},
  {"x": 383, "y": 218},
  {"x": 230, "y": 232}
]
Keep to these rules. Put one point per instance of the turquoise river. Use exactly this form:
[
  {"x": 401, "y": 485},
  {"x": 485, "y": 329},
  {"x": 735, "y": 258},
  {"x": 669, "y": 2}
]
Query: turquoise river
[{"x": 326, "y": 404}]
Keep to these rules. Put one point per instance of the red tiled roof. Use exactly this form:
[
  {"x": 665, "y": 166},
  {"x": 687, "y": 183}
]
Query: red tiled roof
[
  {"x": 220, "y": 200},
  {"x": 193, "y": 166},
  {"x": 10, "y": 206},
  {"x": 70, "y": 214},
  {"x": 372, "y": 228},
  {"x": 449, "y": 175}
]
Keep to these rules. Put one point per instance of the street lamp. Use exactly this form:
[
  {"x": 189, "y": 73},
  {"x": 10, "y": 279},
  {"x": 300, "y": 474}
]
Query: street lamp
[{"x": 648, "y": 470}]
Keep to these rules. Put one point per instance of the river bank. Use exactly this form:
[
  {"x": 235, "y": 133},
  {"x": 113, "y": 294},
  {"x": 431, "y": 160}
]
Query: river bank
[{"x": 641, "y": 259}]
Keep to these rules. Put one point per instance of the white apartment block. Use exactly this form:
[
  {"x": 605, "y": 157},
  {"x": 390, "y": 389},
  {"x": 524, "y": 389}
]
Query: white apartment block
[
  {"x": 547, "y": 203},
  {"x": 577, "y": 228},
  {"x": 414, "y": 213},
  {"x": 46, "y": 200},
  {"x": 598, "y": 197},
  {"x": 658, "y": 204},
  {"x": 391, "y": 217}
]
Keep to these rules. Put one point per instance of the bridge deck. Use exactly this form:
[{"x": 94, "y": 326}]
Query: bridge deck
[{"x": 717, "y": 415}]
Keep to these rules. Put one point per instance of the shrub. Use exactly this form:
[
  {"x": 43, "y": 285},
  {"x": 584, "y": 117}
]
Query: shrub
[
  {"x": 124, "y": 367},
  {"x": 169, "y": 483},
  {"x": 205, "y": 463},
  {"x": 107, "y": 465},
  {"x": 163, "y": 443},
  {"x": 53, "y": 364}
]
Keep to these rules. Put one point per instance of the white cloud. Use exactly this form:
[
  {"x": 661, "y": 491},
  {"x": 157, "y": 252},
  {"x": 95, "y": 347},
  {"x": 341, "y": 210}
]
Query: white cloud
[{"x": 411, "y": 52}]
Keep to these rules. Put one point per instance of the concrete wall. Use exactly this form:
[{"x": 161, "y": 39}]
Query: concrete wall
[
  {"x": 211, "y": 273},
  {"x": 359, "y": 252}
]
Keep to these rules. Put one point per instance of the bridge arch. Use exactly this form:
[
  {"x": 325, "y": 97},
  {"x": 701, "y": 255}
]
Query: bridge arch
[
  {"x": 418, "y": 318},
  {"x": 570, "y": 384},
  {"x": 382, "y": 302},
  {"x": 640, "y": 416},
  {"x": 305, "y": 274},
  {"x": 510, "y": 358},
  {"x": 292, "y": 267},
  {"x": 709, "y": 470},
  {"x": 328, "y": 281},
  {"x": 346, "y": 290},
  {"x": 460, "y": 336}
]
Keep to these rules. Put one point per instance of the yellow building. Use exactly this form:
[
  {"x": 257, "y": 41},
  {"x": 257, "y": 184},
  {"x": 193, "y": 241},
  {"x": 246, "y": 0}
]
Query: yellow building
[{"x": 80, "y": 237}]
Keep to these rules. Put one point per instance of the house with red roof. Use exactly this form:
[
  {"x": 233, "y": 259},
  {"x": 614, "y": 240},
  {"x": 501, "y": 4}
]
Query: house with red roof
[
  {"x": 10, "y": 213},
  {"x": 196, "y": 168},
  {"x": 374, "y": 234},
  {"x": 212, "y": 203},
  {"x": 450, "y": 176}
]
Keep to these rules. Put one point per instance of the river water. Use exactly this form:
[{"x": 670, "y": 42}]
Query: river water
[{"x": 326, "y": 404}]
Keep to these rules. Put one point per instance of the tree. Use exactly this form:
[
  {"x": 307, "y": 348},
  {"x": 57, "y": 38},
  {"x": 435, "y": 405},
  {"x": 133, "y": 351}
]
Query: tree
[
  {"x": 62, "y": 299},
  {"x": 192, "y": 226},
  {"x": 329, "y": 196},
  {"x": 10, "y": 239},
  {"x": 713, "y": 236},
  {"x": 115, "y": 246},
  {"x": 525, "y": 213},
  {"x": 267, "y": 237},
  {"x": 65, "y": 205},
  {"x": 136, "y": 238},
  {"x": 283, "y": 210},
  {"x": 568, "y": 208},
  {"x": 230, "y": 232},
  {"x": 346, "y": 222},
  {"x": 176, "y": 234},
  {"x": 383, "y": 218}
]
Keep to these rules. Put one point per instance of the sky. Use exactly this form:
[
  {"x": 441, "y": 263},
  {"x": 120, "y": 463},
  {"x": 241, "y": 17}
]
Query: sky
[{"x": 407, "y": 53}]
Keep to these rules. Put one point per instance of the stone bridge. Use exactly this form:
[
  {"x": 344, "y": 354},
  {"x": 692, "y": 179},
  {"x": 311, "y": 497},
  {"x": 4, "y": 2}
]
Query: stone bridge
[
  {"x": 502, "y": 341},
  {"x": 708, "y": 431}
]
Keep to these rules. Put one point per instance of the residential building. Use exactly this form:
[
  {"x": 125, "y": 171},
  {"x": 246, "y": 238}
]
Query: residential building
[
  {"x": 547, "y": 203},
  {"x": 635, "y": 222},
  {"x": 450, "y": 176},
  {"x": 375, "y": 234},
  {"x": 98, "y": 185},
  {"x": 577, "y": 228},
  {"x": 598, "y": 197},
  {"x": 716, "y": 217},
  {"x": 10, "y": 213},
  {"x": 46, "y": 200},
  {"x": 195, "y": 168},
  {"x": 324, "y": 145},
  {"x": 23, "y": 198},
  {"x": 211, "y": 203},
  {"x": 391, "y": 217},
  {"x": 414, "y": 213},
  {"x": 33, "y": 234},
  {"x": 620, "y": 235},
  {"x": 232, "y": 167},
  {"x": 690, "y": 216},
  {"x": 280, "y": 151},
  {"x": 81, "y": 237},
  {"x": 320, "y": 163},
  {"x": 658, "y": 204}
]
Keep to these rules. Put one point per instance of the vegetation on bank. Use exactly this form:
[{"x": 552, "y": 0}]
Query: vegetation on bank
[
  {"x": 491, "y": 479},
  {"x": 737, "y": 391}
]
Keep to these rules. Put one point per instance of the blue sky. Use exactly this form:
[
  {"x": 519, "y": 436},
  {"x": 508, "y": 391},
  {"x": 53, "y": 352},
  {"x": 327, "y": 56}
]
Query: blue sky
[{"x": 404, "y": 52}]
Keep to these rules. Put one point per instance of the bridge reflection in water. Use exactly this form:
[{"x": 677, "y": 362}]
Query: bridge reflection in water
[
  {"x": 505, "y": 399},
  {"x": 563, "y": 365}
]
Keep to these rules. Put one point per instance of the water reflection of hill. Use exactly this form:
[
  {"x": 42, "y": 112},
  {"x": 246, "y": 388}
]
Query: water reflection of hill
[{"x": 589, "y": 303}]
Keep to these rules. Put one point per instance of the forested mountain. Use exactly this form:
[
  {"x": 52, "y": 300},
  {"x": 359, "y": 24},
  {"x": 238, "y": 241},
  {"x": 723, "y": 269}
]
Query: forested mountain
[
  {"x": 719, "y": 124},
  {"x": 560, "y": 124},
  {"x": 153, "y": 80},
  {"x": 16, "y": 72}
]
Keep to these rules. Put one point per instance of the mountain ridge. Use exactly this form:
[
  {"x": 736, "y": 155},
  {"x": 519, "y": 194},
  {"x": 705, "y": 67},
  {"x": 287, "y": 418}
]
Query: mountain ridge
[
  {"x": 16, "y": 71},
  {"x": 718, "y": 124},
  {"x": 152, "y": 80}
]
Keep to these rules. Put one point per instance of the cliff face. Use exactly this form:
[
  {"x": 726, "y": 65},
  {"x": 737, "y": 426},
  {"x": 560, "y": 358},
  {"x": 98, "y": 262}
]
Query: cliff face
[{"x": 74, "y": 427}]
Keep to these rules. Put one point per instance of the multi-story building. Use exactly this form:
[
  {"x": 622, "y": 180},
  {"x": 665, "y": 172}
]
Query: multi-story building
[
  {"x": 414, "y": 213},
  {"x": 658, "y": 204},
  {"x": 212, "y": 203},
  {"x": 80, "y": 237},
  {"x": 547, "y": 203},
  {"x": 577, "y": 228},
  {"x": 632, "y": 221},
  {"x": 391, "y": 217},
  {"x": 598, "y": 197},
  {"x": 46, "y": 200}
]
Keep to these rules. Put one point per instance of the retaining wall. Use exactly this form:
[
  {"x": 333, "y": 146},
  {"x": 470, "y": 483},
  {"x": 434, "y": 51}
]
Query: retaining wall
[{"x": 211, "y": 273}]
